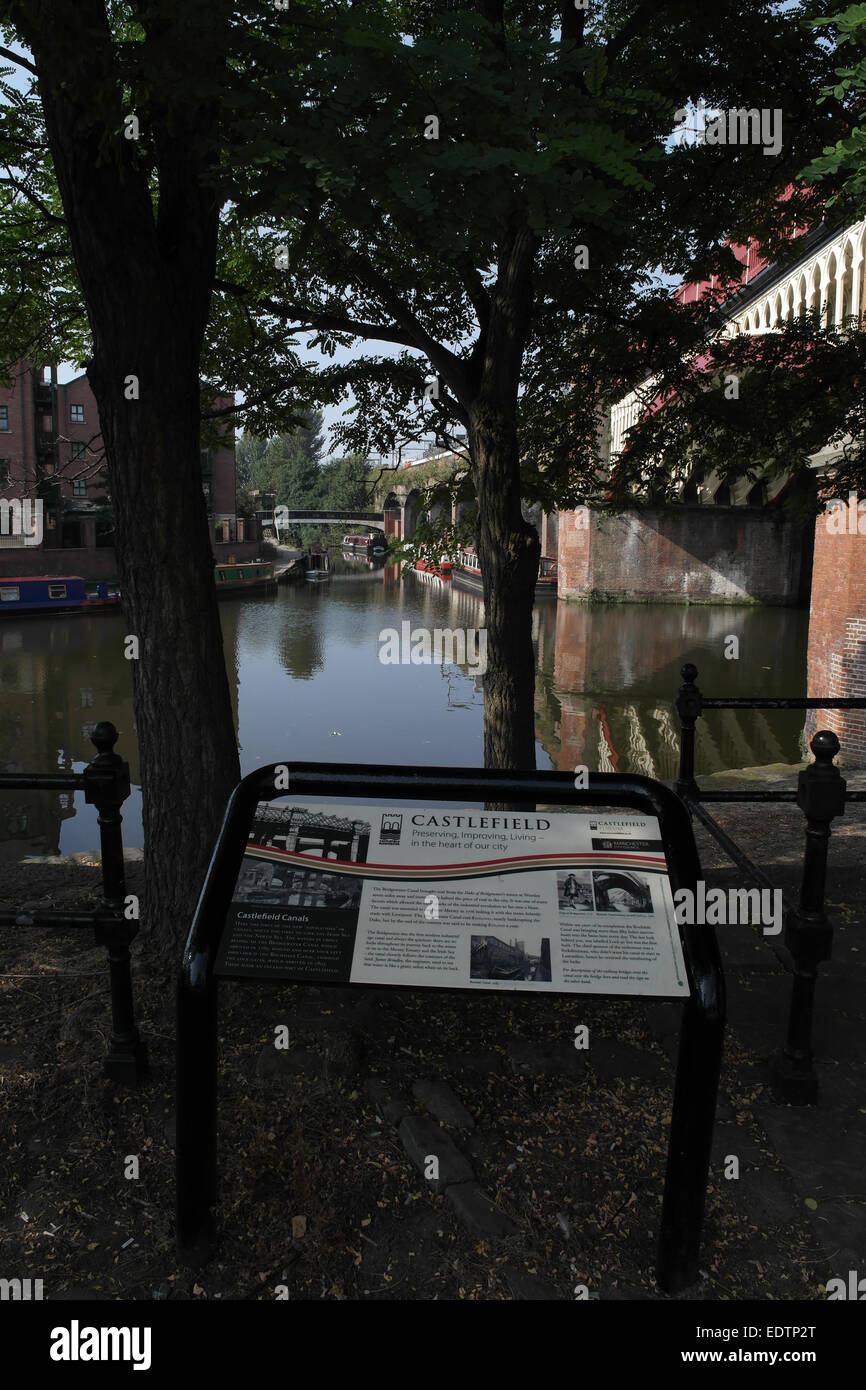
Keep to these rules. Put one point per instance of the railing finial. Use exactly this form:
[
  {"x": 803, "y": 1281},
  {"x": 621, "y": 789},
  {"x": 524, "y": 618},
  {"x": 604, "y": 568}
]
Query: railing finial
[
  {"x": 825, "y": 745},
  {"x": 104, "y": 736}
]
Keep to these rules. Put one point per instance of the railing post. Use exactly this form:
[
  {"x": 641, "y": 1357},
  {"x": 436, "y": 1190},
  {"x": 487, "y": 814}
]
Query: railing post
[
  {"x": 688, "y": 704},
  {"x": 808, "y": 933},
  {"x": 107, "y": 787}
]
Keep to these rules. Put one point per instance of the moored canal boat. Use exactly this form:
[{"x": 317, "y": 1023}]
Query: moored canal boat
[
  {"x": 466, "y": 574},
  {"x": 256, "y": 576},
  {"x": 55, "y": 593},
  {"x": 440, "y": 571},
  {"x": 372, "y": 544},
  {"x": 318, "y": 567}
]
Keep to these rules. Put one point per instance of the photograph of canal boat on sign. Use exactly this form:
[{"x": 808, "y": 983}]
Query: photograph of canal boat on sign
[{"x": 507, "y": 958}]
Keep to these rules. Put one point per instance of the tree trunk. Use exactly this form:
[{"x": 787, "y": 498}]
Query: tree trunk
[
  {"x": 145, "y": 251},
  {"x": 508, "y": 549},
  {"x": 183, "y": 713},
  {"x": 508, "y": 546}
]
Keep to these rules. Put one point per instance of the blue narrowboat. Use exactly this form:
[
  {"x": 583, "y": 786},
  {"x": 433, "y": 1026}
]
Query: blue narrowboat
[{"x": 55, "y": 593}]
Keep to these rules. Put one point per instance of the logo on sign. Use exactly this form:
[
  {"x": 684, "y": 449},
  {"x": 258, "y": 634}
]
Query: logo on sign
[{"x": 390, "y": 831}]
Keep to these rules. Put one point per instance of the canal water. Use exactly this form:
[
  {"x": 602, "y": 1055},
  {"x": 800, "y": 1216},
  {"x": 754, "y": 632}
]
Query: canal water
[{"x": 307, "y": 683}]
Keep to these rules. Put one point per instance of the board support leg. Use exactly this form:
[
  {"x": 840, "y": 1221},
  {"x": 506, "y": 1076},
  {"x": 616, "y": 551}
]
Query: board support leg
[
  {"x": 691, "y": 1136},
  {"x": 196, "y": 1119}
]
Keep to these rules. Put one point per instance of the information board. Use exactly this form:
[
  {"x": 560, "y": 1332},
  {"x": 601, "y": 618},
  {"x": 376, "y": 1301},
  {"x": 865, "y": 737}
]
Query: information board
[{"x": 469, "y": 899}]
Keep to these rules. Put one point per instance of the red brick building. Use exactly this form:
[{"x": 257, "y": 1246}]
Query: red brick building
[{"x": 51, "y": 450}]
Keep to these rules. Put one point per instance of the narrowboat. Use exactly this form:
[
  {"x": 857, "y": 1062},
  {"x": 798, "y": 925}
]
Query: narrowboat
[
  {"x": 55, "y": 593},
  {"x": 318, "y": 567},
  {"x": 467, "y": 575},
  {"x": 440, "y": 571},
  {"x": 372, "y": 543},
  {"x": 252, "y": 576}
]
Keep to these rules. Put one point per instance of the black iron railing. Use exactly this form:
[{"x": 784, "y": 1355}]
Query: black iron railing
[
  {"x": 821, "y": 794},
  {"x": 105, "y": 783}
]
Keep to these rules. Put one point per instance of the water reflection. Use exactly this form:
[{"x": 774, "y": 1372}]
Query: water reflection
[
  {"x": 306, "y": 683},
  {"x": 607, "y": 676}
]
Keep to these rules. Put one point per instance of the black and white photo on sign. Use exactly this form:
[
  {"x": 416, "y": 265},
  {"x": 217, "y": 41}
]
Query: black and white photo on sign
[
  {"x": 574, "y": 891},
  {"x": 287, "y": 885},
  {"x": 513, "y": 955},
  {"x": 621, "y": 890},
  {"x": 304, "y": 830}
]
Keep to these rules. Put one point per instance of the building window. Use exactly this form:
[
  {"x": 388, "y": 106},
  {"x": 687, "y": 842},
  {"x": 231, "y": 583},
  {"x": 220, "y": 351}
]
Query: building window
[
  {"x": 76, "y": 450},
  {"x": 79, "y": 487},
  {"x": 5, "y": 473},
  {"x": 76, "y": 414},
  {"x": 4, "y": 417}
]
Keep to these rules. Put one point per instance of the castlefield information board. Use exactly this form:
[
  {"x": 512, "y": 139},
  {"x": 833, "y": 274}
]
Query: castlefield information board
[{"x": 468, "y": 899}]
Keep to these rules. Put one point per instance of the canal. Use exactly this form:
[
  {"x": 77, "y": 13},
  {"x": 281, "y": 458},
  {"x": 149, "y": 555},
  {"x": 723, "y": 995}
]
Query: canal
[{"x": 307, "y": 683}]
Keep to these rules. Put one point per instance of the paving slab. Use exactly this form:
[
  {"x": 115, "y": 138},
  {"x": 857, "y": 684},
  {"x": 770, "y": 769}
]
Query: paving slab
[
  {"x": 423, "y": 1139},
  {"x": 443, "y": 1104},
  {"x": 474, "y": 1208}
]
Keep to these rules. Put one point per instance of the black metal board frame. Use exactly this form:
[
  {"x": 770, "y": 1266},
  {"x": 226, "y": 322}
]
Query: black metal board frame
[{"x": 703, "y": 1017}]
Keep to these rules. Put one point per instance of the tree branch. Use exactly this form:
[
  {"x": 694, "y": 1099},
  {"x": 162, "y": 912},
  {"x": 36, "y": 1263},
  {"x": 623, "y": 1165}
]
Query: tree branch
[
  {"x": 648, "y": 9},
  {"x": 386, "y": 333},
  {"x": 32, "y": 198},
  {"x": 442, "y": 359},
  {"x": 19, "y": 59},
  {"x": 249, "y": 401}
]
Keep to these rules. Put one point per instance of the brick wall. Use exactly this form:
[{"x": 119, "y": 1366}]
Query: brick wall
[
  {"x": 242, "y": 551},
  {"x": 89, "y": 564},
  {"x": 573, "y": 555},
  {"x": 698, "y": 554},
  {"x": 837, "y": 637},
  {"x": 17, "y": 447}
]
